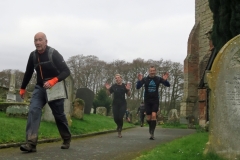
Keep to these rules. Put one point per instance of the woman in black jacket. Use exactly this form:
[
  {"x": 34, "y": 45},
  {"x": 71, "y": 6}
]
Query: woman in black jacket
[{"x": 119, "y": 104}]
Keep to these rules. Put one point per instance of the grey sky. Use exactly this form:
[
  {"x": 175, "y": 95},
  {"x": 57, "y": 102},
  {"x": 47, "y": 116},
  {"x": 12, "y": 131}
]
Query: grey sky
[{"x": 108, "y": 29}]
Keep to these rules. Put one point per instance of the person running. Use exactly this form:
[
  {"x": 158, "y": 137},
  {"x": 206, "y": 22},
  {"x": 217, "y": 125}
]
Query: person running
[
  {"x": 47, "y": 76},
  {"x": 141, "y": 113},
  {"x": 119, "y": 104},
  {"x": 151, "y": 95}
]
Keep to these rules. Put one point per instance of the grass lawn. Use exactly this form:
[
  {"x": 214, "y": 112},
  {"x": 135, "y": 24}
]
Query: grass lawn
[
  {"x": 13, "y": 129},
  {"x": 187, "y": 148},
  {"x": 174, "y": 125}
]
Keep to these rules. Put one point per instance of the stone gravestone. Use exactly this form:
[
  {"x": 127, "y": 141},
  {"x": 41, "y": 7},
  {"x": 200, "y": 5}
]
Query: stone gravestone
[
  {"x": 78, "y": 108},
  {"x": 92, "y": 110},
  {"x": 47, "y": 113},
  {"x": 101, "y": 111},
  {"x": 87, "y": 96},
  {"x": 224, "y": 82},
  {"x": 11, "y": 95}
]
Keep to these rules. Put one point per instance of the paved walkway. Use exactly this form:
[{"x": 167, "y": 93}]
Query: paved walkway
[{"x": 100, "y": 147}]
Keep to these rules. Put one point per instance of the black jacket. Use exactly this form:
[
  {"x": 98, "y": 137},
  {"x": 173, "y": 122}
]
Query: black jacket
[{"x": 48, "y": 70}]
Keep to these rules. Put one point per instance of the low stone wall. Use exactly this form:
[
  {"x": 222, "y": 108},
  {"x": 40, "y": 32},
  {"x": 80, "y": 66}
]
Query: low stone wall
[
  {"x": 4, "y": 105},
  {"x": 17, "y": 111}
]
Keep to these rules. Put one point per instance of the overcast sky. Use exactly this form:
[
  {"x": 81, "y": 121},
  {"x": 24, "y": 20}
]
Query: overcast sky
[{"x": 109, "y": 29}]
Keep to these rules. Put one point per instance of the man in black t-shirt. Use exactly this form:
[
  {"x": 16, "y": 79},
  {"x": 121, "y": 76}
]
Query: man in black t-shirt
[{"x": 151, "y": 95}]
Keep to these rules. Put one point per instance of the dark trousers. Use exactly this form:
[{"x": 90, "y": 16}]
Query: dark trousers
[
  {"x": 118, "y": 114},
  {"x": 141, "y": 116},
  {"x": 38, "y": 101}
]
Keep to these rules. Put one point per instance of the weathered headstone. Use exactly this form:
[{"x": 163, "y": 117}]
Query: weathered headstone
[
  {"x": 11, "y": 95},
  {"x": 47, "y": 113},
  {"x": 92, "y": 110},
  {"x": 87, "y": 95},
  {"x": 224, "y": 80},
  {"x": 173, "y": 113},
  {"x": 101, "y": 111},
  {"x": 78, "y": 108}
]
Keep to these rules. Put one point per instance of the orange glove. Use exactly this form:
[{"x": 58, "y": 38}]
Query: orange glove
[
  {"x": 22, "y": 92},
  {"x": 53, "y": 81}
]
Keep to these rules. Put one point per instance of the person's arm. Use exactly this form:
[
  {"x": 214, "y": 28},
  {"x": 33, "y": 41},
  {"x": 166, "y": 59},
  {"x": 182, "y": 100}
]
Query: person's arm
[
  {"x": 62, "y": 68},
  {"x": 108, "y": 92},
  {"x": 139, "y": 84},
  {"x": 128, "y": 87},
  {"x": 128, "y": 93},
  {"x": 164, "y": 80},
  {"x": 109, "y": 89},
  {"x": 61, "y": 65},
  {"x": 140, "y": 81},
  {"x": 28, "y": 73},
  {"x": 138, "y": 110}
]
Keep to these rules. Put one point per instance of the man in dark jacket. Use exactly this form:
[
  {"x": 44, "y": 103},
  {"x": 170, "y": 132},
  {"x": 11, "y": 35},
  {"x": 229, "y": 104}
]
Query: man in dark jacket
[
  {"x": 48, "y": 74},
  {"x": 151, "y": 95},
  {"x": 141, "y": 113}
]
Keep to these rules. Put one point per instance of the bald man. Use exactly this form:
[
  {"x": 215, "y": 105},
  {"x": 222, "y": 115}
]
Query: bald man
[{"x": 47, "y": 76}]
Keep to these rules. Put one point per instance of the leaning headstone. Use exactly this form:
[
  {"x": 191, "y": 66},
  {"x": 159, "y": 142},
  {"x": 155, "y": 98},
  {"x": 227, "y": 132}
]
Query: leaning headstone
[
  {"x": 47, "y": 113},
  {"x": 87, "y": 96},
  {"x": 11, "y": 95},
  {"x": 223, "y": 81},
  {"x": 101, "y": 111},
  {"x": 78, "y": 108},
  {"x": 173, "y": 116}
]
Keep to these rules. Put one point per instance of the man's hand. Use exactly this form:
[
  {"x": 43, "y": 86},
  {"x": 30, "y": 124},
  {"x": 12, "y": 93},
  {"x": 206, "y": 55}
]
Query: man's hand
[
  {"x": 22, "y": 93},
  {"x": 165, "y": 76},
  {"x": 140, "y": 76},
  {"x": 50, "y": 83}
]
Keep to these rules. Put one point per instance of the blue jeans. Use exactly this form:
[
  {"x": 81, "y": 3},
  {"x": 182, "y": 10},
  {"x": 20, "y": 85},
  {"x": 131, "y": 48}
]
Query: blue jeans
[{"x": 38, "y": 101}]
